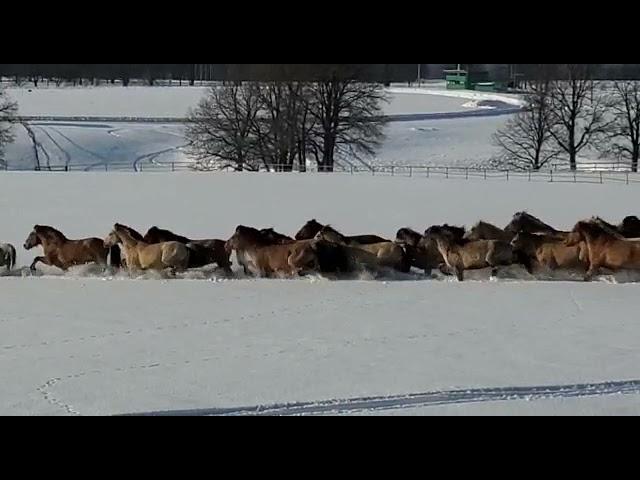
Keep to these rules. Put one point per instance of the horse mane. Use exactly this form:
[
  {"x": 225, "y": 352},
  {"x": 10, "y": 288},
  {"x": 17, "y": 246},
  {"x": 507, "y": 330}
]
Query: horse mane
[
  {"x": 607, "y": 227},
  {"x": 253, "y": 234},
  {"x": 480, "y": 224},
  {"x": 168, "y": 233},
  {"x": 48, "y": 231},
  {"x": 531, "y": 218},
  {"x": 596, "y": 229}
]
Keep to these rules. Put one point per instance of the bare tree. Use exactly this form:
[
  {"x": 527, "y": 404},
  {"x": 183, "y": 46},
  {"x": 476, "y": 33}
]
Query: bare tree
[
  {"x": 624, "y": 134},
  {"x": 526, "y": 142},
  {"x": 281, "y": 123},
  {"x": 8, "y": 110},
  {"x": 348, "y": 117},
  {"x": 578, "y": 110},
  {"x": 221, "y": 130}
]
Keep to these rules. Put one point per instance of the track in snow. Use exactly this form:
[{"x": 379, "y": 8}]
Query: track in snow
[{"x": 420, "y": 400}]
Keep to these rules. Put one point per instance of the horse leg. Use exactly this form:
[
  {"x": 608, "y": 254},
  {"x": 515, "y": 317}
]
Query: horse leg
[
  {"x": 225, "y": 264},
  {"x": 592, "y": 272},
  {"x": 37, "y": 260},
  {"x": 459, "y": 273}
]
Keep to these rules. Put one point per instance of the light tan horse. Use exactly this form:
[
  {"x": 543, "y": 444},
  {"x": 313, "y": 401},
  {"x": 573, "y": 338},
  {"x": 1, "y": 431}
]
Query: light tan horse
[
  {"x": 606, "y": 248},
  {"x": 549, "y": 252},
  {"x": 142, "y": 256},
  {"x": 63, "y": 253},
  {"x": 384, "y": 254},
  {"x": 472, "y": 255},
  {"x": 259, "y": 257}
]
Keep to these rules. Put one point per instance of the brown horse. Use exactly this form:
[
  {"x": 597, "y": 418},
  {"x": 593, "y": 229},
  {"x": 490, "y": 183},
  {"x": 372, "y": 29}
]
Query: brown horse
[
  {"x": 384, "y": 254},
  {"x": 486, "y": 231},
  {"x": 143, "y": 256},
  {"x": 471, "y": 255},
  {"x": 202, "y": 252},
  {"x": 263, "y": 259},
  {"x": 63, "y": 253},
  {"x": 312, "y": 228},
  {"x": 547, "y": 251},
  {"x": 606, "y": 248}
]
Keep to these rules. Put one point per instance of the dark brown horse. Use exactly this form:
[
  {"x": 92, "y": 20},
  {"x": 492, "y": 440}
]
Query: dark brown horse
[
  {"x": 379, "y": 255},
  {"x": 422, "y": 252},
  {"x": 63, "y": 253},
  {"x": 630, "y": 227},
  {"x": 203, "y": 252},
  {"x": 312, "y": 228}
]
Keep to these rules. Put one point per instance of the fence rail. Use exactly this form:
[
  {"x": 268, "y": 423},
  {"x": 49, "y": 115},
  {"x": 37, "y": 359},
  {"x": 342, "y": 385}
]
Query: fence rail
[{"x": 552, "y": 175}]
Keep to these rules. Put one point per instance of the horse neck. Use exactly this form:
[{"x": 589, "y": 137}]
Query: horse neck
[
  {"x": 51, "y": 238},
  {"x": 127, "y": 239}
]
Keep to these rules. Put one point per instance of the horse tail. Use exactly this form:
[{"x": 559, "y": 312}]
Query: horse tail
[
  {"x": 13, "y": 256},
  {"x": 115, "y": 256}
]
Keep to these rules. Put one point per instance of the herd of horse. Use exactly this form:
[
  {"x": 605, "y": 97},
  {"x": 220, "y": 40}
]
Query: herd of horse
[{"x": 592, "y": 246}]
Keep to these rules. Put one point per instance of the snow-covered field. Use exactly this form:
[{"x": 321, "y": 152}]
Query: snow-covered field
[
  {"x": 122, "y": 146},
  {"x": 74, "y": 344},
  {"x": 174, "y": 102}
]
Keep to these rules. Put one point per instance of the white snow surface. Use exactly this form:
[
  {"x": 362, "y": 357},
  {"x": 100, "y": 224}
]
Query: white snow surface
[
  {"x": 175, "y": 102},
  {"x": 98, "y": 345}
]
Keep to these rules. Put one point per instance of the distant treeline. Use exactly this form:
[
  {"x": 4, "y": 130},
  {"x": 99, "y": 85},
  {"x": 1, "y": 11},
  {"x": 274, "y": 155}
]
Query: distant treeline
[{"x": 190, "y": 73}]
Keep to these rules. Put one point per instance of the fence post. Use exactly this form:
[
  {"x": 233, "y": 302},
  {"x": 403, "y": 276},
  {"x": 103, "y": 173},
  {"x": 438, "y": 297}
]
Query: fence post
[
  {"x": 352, "y": 169},
  {"x": 173, "y": 166},
  {"x": 447, "y": 172},
  {"x": 373, "y": 171},
  {"x": 575, "y": 178},
  {"x": 106, "y": 167},
  {"x": 428, "y": 172},
  {"x": 627, "y": 174},
  {"x": 466, "y": 173},
  {"x": 393, "y": 171},
  {"x": 529, "y": 175},
  {"x": 507, "y": 175},
  {"x": 410, "y": 171},
  {"x": 601, "y": 177},
  {"x": 485, "y": 173},
  {"x": 551, "y": 175}
]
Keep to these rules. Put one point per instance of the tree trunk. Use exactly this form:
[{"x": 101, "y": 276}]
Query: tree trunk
[
  {"x": 328, "y": 153},
  {"x": 635, "y": 159}
]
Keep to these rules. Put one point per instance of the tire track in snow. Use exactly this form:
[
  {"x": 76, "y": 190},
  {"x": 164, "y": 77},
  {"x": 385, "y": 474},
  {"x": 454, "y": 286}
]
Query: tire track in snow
[
  {"x": 64, "y": 152},
  {"x": 154, "y": 155},
  {"x": 83, "y": 149},
  {"x": 420, "y": 400}
]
